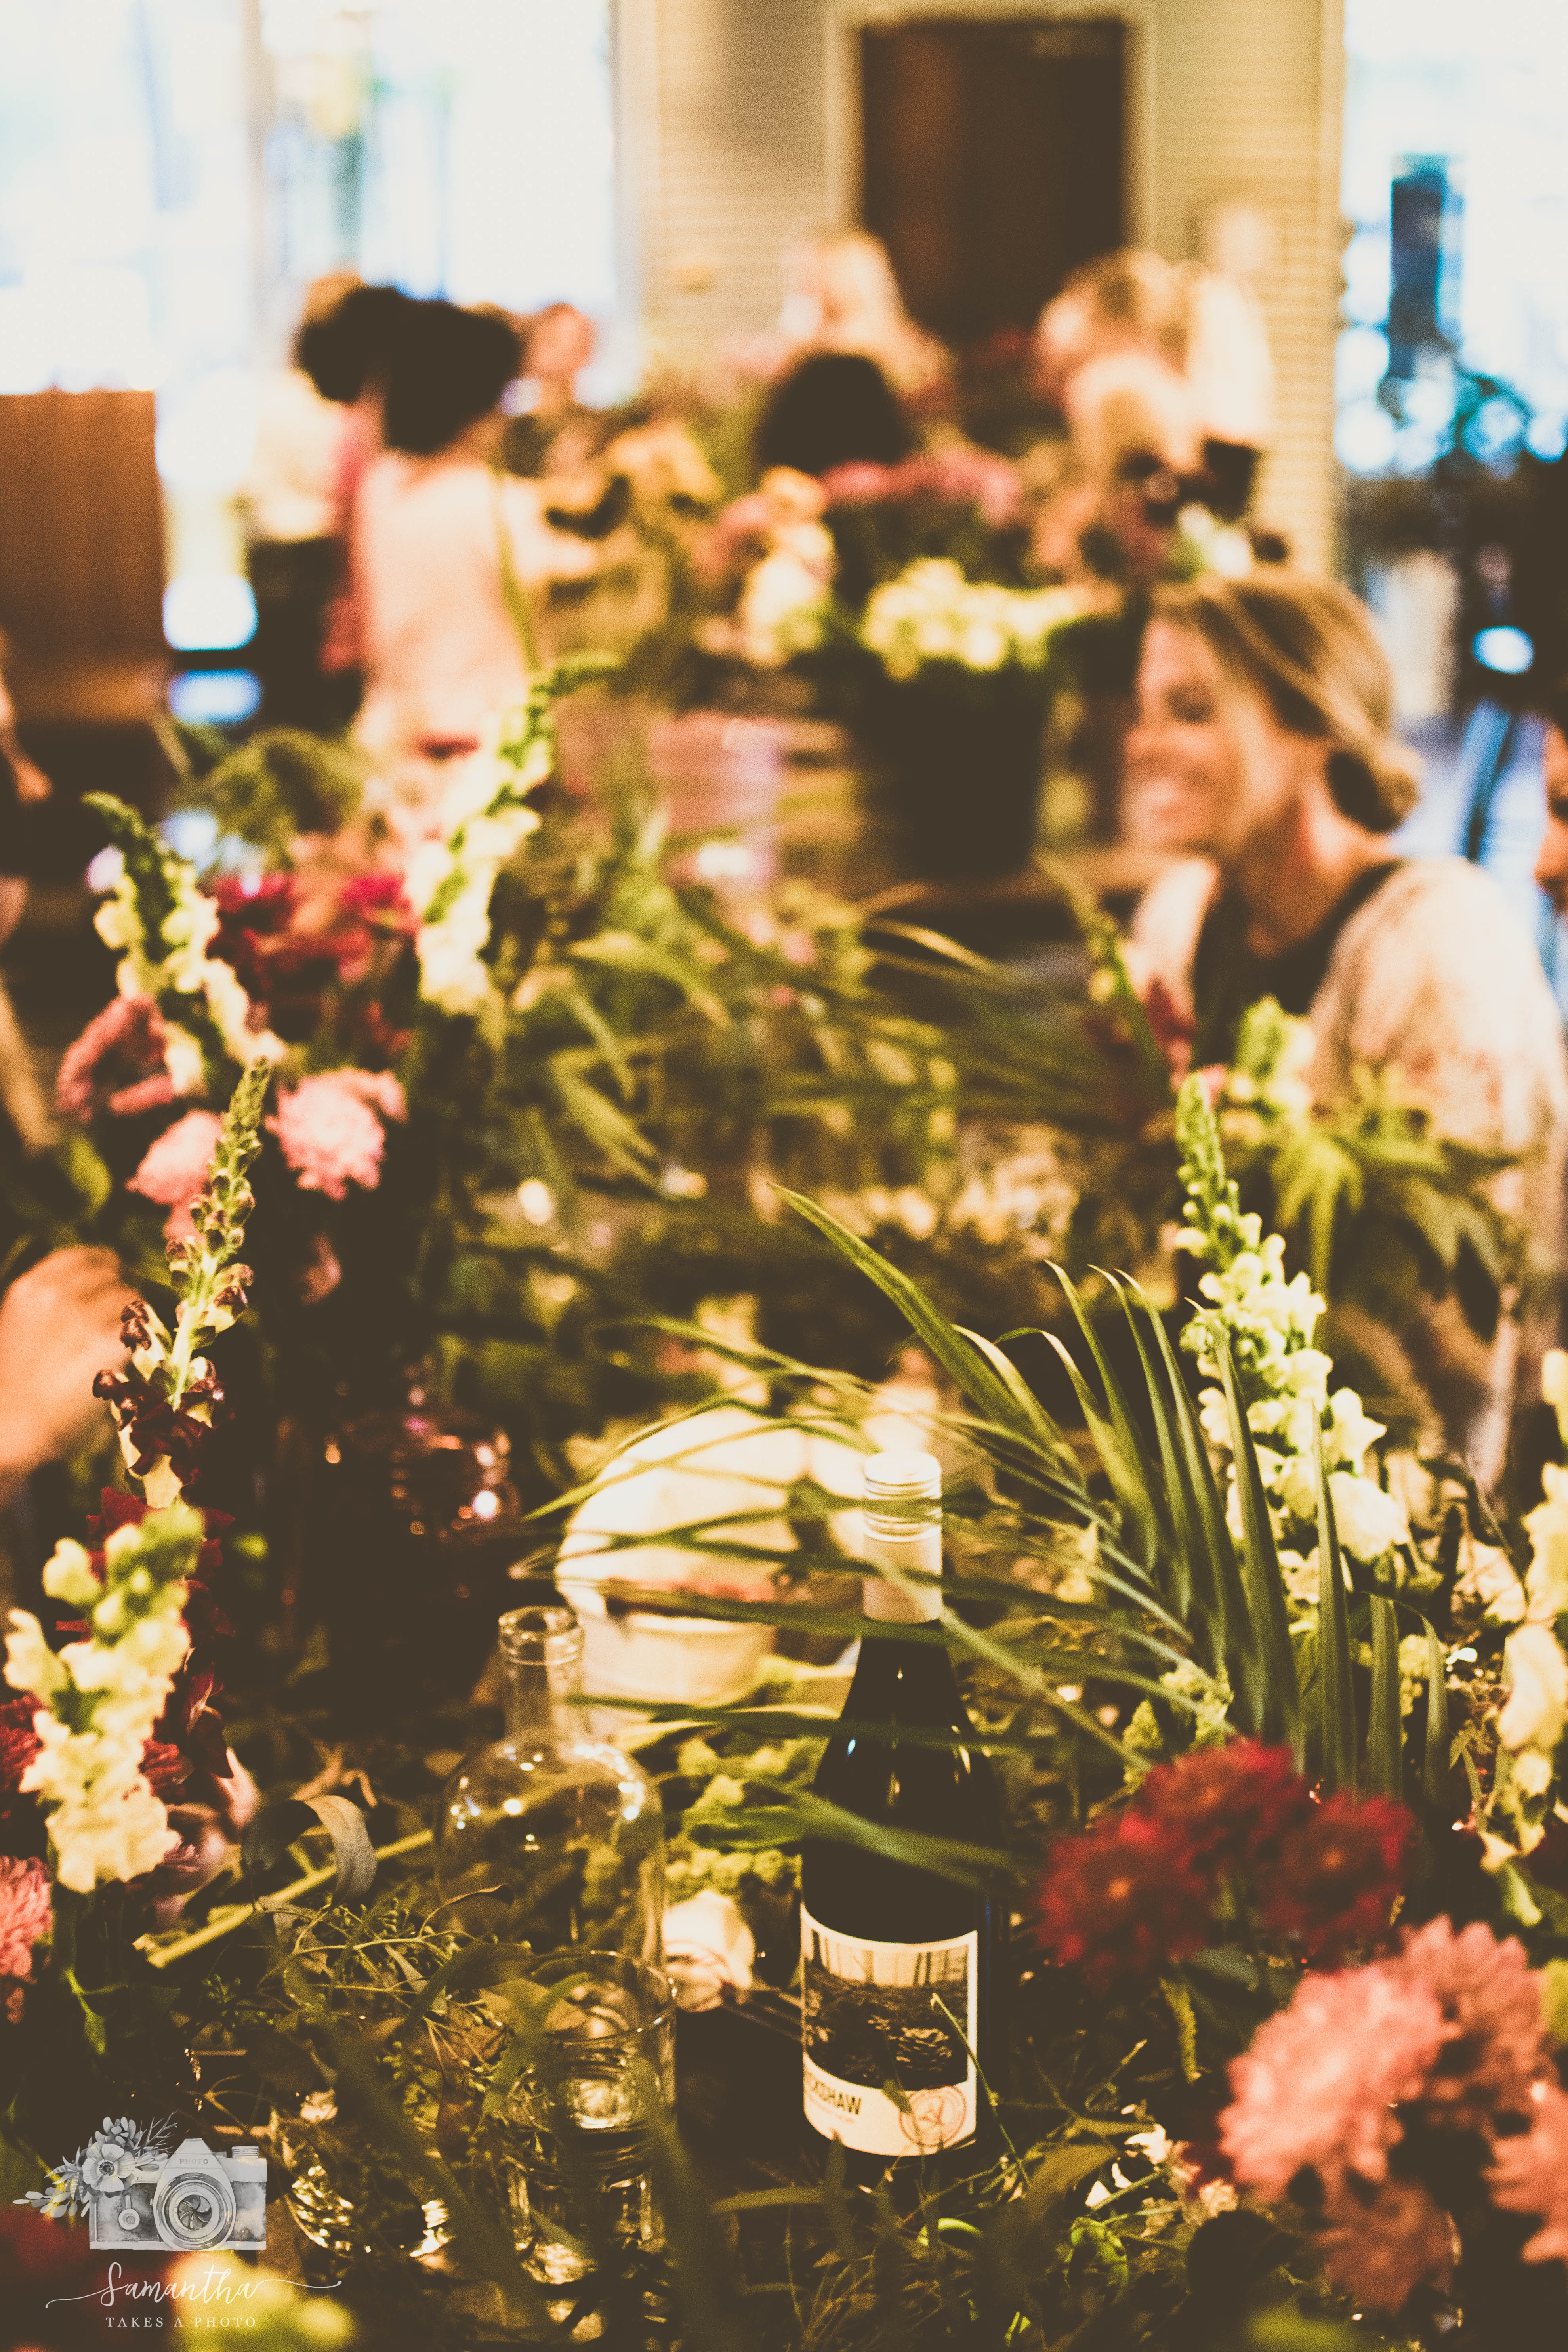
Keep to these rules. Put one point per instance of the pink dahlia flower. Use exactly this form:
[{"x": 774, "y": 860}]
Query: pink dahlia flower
[
  {"x": 1380, "y": 2249},
  {"x": 1496, "y": 2038},
  {"x": 25, "y": 1913},
  {"x": 1321, "y": 2080},
  {"x": 330, "y": 1131},
  {"x": 1529, "y": 2174},
  {"x": 176, "y": 1167}
]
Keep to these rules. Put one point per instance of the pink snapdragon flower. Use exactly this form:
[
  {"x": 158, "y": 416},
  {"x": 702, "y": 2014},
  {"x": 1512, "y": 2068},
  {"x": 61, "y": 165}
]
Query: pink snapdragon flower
[
  {"x": 1529, "y": 2174},
  {"x": 1318, "y": 2084},
  {"x": 330, "y": 1128},
  {"x": 175, "y": 1168},
  {"x": 25, "y": 1913}
]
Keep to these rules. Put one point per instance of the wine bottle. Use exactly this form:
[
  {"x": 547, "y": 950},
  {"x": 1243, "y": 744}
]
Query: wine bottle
[{"x": 900, "y": 1970}]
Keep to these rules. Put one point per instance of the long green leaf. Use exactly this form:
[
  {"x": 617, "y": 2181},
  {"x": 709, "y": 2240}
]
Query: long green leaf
[
  {"x": 1435, "y": 1771},
  {"x": 1127, "y": 1465},
  {"x": 1336, "y": 1692},
  {"x": 1185, "y": 1550},
  {"x": 1384, "y": 1738},
  {"x": 1279, "y": 1715},
  {"x": 1225, "y": 1634},
  {"x": 971, "y": 1371}
]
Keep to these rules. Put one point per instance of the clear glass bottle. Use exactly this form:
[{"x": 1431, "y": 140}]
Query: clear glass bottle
[{"x": 548, "y": 1837}]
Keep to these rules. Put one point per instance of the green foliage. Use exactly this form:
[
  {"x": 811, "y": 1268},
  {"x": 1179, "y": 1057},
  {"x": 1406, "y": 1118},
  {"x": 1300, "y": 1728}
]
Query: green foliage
[{"x": 281, "y": 782}]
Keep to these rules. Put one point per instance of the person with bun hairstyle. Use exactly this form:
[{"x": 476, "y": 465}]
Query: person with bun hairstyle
[
  {"x": 1263, "y": 745},
  {"x": 433, "y": 522}
]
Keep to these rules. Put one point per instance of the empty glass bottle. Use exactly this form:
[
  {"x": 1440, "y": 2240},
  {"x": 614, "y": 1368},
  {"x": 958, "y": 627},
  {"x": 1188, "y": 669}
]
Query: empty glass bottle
[{"x": 548, "y": 1837}]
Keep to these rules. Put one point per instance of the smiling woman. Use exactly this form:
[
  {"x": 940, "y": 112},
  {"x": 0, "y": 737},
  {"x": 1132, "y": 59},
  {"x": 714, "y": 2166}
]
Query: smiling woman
[{"x": 1262, "y": 745}]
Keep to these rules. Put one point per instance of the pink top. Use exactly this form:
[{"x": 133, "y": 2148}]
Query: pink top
[{"x": 440, "y": 653}]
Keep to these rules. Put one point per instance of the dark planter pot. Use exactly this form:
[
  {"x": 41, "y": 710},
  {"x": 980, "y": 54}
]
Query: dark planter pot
[{"x": 955, "y": 776}]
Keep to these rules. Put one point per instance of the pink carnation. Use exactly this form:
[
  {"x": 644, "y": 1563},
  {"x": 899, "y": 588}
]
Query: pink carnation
[
  {"x": 1529, "y": 2174},
  {"x": 24, "y": 1914},
  {"x": 1380, "y": 2248},
  {"x": 1319, "y": 2082},
  {"x": 176, "y": 1167},
  {"x": 130, "y": 1025},
  {"x": 1495, "y": 2038},
  {"x": 330, "y": 1134},
  {"x": 862, "y": 482}
]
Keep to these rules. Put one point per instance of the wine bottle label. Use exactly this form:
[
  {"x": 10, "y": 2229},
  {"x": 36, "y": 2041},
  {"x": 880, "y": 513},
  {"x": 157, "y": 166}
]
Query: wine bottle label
[{"x": 889, "y": 2029}]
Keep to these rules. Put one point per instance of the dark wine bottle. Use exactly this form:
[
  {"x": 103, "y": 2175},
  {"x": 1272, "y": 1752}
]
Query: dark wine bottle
[{"x": 901, "y": 1971}]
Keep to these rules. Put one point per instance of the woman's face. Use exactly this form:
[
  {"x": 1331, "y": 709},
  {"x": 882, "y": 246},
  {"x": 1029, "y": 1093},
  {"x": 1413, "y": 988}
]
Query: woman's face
[{"x": 1211, "y": 767}]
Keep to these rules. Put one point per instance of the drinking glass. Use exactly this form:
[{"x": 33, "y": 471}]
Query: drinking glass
[{"x": 576, "y": 2126}]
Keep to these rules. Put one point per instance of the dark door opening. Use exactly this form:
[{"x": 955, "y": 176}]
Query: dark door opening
[{"x": 993, "y": 161}]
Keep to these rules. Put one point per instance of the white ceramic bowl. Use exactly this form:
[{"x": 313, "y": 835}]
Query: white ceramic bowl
[{"x": 676, "y": 1476}]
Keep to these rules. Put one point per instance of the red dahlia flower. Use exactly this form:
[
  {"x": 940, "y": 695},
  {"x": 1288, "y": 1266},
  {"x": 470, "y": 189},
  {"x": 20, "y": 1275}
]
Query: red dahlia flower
[
  {"x": 1332, "y": 1881},
  {"x": 1121, "y": 1900},
  {"x": 1225, "y": 1806}
]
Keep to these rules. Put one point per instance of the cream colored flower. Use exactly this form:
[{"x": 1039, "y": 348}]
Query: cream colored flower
[{"x": 1536, "y": 1674}]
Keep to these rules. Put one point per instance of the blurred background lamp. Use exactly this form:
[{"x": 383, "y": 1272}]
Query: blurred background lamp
[
  {"x": 215, "y": 698},
  {"x": 208, "y": 612},
  {"x": 1508, "y": 651}
]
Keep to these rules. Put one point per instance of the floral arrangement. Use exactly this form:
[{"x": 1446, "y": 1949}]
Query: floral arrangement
[
  {"x": 930, "y": 616},
  {"x": 107, "y": 1731},
  {"x": 1225, "y": 1846},
  {"x": 1391, "y": 2101},
  {"x": 1252, "y": 1979},
  {"x": 805, "y": 589}
]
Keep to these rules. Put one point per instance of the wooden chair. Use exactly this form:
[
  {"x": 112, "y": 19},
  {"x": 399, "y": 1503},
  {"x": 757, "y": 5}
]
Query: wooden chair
[{"x": 81, "y": 559}]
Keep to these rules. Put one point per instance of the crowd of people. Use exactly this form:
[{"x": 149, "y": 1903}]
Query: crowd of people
[{"x": 403, "y": 499}]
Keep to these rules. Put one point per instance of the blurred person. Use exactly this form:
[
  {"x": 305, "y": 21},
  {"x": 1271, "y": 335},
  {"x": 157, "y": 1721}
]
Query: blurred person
[
  {"x": 1263, "y": 745},
  {"x": 59, "y": 1327},
  {"x": 833, "y": 408},
  {"x": 840, "y": 295},
  {"x": 1229, "y": 372},
  {"x": 435, "y": 526},
  {"x": 23, "y": 786},
  {"x": 317, "y": 426},
  {"x": 554, "y": 433},
  {"x": 1552, "y": 859},
  {"x": 1126, "y": 301},
  {"x": 1189, "y": 342}
]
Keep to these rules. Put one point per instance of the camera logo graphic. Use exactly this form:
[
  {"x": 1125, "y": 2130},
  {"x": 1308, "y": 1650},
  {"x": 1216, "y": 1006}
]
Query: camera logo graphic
[
  {"x": 141, "y": 2193},
  {"x": 190, "y": 2202}
]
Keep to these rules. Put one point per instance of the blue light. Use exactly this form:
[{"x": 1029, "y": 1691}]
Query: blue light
[
  {"x": 1508, "y": 651},
  {"x": 193, "y": 835},
  {"x": 209, "y": 612},
  {"x": 215, "y": 698}
]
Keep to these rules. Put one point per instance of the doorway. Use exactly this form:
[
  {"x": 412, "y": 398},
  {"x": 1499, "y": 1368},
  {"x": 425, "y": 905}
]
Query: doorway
[{"x": 993, "y": 160}]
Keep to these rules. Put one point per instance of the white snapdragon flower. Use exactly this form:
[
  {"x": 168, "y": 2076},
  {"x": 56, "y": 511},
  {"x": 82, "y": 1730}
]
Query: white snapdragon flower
[
  {"x": 1494, "y": 1579},
  {"x": 1546, "y": 1579},
  {"x": 1536, "y": 1673},
  {"x": 30, "y": 1663},
  {"x": 68, "y": 1575},
  {"x": 104, "y": 1820},
  {"x": 1370, "y": 1522}
]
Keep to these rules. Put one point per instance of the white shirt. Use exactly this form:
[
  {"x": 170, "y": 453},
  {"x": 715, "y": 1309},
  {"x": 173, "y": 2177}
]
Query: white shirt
[{"x": 440, "y": 653}]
